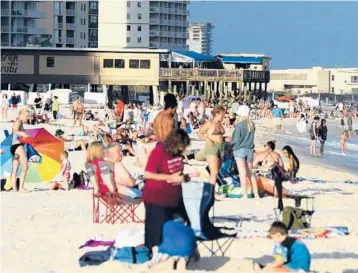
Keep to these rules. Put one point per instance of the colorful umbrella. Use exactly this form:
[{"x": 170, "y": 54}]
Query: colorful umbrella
[{"x": 44, "y": 151}]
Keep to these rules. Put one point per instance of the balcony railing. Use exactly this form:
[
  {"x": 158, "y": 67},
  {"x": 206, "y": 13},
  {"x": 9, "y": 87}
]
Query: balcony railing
[
  {"x": 256, "y": 76},
  {"x": 70, "y": 40},
  {"x": 5, "y": 12},
  {"x": 200, "y": 74},
  {"x": 59, "y": 25},
  {"x": 70, "y": 26},
  {"x": 28, "y": 13},
  {"x": 5, "y": 29},
  {"x": 70, "y": 12}
]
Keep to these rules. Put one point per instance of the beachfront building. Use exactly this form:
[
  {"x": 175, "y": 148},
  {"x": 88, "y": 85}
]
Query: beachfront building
[
  {"x": 19, "y": 26},
  {"x": 315, "y": 80},
  {"x": 160, "y": 70},
  {"x": 117, "y": 24},
  {"x": 200, "y": 38}
]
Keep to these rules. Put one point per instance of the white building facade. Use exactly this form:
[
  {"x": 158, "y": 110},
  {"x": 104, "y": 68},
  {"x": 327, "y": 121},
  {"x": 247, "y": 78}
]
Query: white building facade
[
  {"x": 117, "y": 24},
  {"x": 315, "y": 80},
  {"x": 200, "y": 38},
  {"x": 19, "y": 24}
]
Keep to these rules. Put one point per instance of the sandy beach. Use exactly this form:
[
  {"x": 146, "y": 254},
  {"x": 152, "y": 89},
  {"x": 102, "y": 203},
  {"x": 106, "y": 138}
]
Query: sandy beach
[{"x": 41, "y": 231}]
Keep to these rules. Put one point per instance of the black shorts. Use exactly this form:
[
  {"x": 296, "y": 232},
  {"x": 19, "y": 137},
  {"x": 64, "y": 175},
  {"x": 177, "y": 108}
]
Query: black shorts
[{"x": 14, "y": 147}]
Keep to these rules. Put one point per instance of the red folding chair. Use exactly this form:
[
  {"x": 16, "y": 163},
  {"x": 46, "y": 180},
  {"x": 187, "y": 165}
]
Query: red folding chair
[{"x": 117, "y": 207}]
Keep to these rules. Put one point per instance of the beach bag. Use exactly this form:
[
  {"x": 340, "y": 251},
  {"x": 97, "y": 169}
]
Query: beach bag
[
  {"x": 95, "y": 258},
  {"x": 84, "y": 179},
  {"x": 294, "y": 218},
  {"x": 198, "y": 198},
  {"x": 131, "y": 255}
]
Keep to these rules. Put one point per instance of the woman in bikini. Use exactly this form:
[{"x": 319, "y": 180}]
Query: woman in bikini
[
  {"x": 19, "y": 156},
  {"x": 212, "y": 132},
  {"x": 343, "y": 142}
]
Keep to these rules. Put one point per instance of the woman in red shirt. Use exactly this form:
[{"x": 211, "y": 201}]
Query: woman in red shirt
[{"x": 162, "y": 191}]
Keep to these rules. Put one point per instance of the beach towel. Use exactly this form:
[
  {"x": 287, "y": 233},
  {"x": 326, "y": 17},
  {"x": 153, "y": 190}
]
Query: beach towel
[
  {"x": 129, "y": 237},
  {"x": 301, "y": 234},
  {"x": 198, "y": 200},
  {"x": 131, "y": 255},
  {"x": 94, "y": 243}
]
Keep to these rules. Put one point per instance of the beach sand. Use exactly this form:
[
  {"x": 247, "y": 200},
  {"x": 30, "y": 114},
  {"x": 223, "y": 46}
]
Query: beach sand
[{"x": 41, "y": 231}]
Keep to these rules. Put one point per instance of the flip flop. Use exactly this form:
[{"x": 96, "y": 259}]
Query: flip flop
[{"x": 24, "y": 190}]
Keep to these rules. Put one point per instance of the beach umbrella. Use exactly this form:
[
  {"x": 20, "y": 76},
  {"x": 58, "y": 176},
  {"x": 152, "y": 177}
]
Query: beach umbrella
[{"x": 43, "y": 150}]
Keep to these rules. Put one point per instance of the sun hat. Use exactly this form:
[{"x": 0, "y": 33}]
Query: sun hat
[
  {"x": 59, "y": 132},
  {"x": 243, "y": 110}
]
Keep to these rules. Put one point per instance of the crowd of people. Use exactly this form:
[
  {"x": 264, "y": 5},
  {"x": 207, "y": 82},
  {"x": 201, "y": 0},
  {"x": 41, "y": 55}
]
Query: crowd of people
[{"x": 159, "y": 140}]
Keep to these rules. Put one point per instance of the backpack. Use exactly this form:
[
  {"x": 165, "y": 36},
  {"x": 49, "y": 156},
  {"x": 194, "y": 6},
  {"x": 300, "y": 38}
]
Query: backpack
[
  {"x": 75, "y": 181},
  {"x": 131, "y": 255},
  {"x": 295, "y": 218}
]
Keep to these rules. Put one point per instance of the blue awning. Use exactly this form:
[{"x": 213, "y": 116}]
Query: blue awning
[
  {"x": 241, "y": 60},
  {"x": 195, "y": 56}
]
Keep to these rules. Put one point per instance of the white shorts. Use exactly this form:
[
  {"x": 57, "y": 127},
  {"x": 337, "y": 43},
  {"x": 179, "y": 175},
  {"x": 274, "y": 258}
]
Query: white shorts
[{"x": 277, "y": 121}]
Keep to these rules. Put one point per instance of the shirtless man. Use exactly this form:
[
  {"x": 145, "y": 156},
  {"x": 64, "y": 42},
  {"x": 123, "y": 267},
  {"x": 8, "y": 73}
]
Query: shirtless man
[
  {"x": 122, "y": 177},
  {"x": 78, "y": 109},
  {"x": 164, "y": 122},
  {"x": 268, "y": 158}
]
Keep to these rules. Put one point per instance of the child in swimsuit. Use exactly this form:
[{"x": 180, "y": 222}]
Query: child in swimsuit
[
  {"x": 343, "y": 142},
  {"x": 65, "y": 169}
]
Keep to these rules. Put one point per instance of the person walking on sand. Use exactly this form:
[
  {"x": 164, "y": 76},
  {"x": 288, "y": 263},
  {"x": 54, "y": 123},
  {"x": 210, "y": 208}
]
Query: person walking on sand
[
  {"x": 4, "y": 106},
  {"x": 313, "y": 135},
  {"x": 55, "y": 107},
  {"x": 14, "y": 101},
  {"x": 19, "y": 156},
  {"x": 277, "y": 118},
  {"x": 343, "y": 142},
  {"x": 243, "y": 147},
  {"x": 322, "y": 135},
  {"x": 79, "y": 109}
]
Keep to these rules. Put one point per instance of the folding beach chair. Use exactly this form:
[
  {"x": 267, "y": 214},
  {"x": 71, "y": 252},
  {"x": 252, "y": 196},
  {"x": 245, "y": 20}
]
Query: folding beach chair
[
  {"x": 198, "y": 199},
  {"x": 117, "y": 207}
]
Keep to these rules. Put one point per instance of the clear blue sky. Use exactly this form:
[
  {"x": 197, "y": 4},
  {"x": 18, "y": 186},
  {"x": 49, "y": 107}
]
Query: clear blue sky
[{"x": 294, "y": 34}]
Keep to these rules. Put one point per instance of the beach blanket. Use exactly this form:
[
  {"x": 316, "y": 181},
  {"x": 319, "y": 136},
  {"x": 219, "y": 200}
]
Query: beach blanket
[{"x": 302, "y": 234}]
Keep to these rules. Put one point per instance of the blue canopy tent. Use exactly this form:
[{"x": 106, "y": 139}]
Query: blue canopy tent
[{"x": 241, "y": 59}]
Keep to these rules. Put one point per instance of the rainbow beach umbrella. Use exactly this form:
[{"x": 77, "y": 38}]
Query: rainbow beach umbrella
[{"x": 44, "y": 150}]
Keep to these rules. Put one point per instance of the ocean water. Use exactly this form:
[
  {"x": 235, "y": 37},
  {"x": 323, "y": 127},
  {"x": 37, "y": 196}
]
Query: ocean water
[{"x": 332, "y": 157}]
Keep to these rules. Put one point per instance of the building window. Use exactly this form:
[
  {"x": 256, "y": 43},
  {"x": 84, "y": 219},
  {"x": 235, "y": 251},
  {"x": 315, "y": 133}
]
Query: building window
[
  {"x": 107, "y": 63},
  {"x": 129, "y": 3},
  {"x": 81, "y": 35},
  {"x": 139, "y": 28},
  {"x": 332, "y": 78},
  {"x": 84, "y": 22},
  {"x": 128, "y": 28},
  {"x": 84, "y": 7},
  {"x": 355, "y": 90},
  {"x": 133, "y": 63},
  {"x": 354, "y": 79},
  {"x": 128, "y": 16},
  {"x": 118, "y": 63},
  {"x": 139, "y": 40},
  {"x": 84, "y": 35},
  {"x": 332, "y": 89},
  {"x": 50, "y": 62},
  {"x": 139, "y": 16},
  {"x": 145, "y": 64},
  {"x": 139, "y": 4},
  {"x": 93, "y": 19},
  {"x": 128, "y": 39}
]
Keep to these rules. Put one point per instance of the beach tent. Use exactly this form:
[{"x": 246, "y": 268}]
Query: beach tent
[{"x": 44, "y": 161}]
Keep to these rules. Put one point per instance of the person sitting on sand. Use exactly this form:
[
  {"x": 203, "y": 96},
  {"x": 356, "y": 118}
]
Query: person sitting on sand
[
  {"x": 293, "y": 162},
  {"x": 291, "y": 255},
  {"x": 164, "y": 122},
  {"x": 71, "y": 144},
  {"x": 268, "y": 158},
  {"x": 177, "y": 247},
  {"x": 343, "y": 142}
]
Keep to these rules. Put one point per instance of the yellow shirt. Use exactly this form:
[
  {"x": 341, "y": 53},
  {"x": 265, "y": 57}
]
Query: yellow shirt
[{"x": 56, "y": 106}]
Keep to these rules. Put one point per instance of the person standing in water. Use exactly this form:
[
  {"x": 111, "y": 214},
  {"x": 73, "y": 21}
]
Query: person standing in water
[
  {"x": 322, "y": 135},
  {"x": 343, "y": 142},
  {"x": 313, "y": 134}
]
